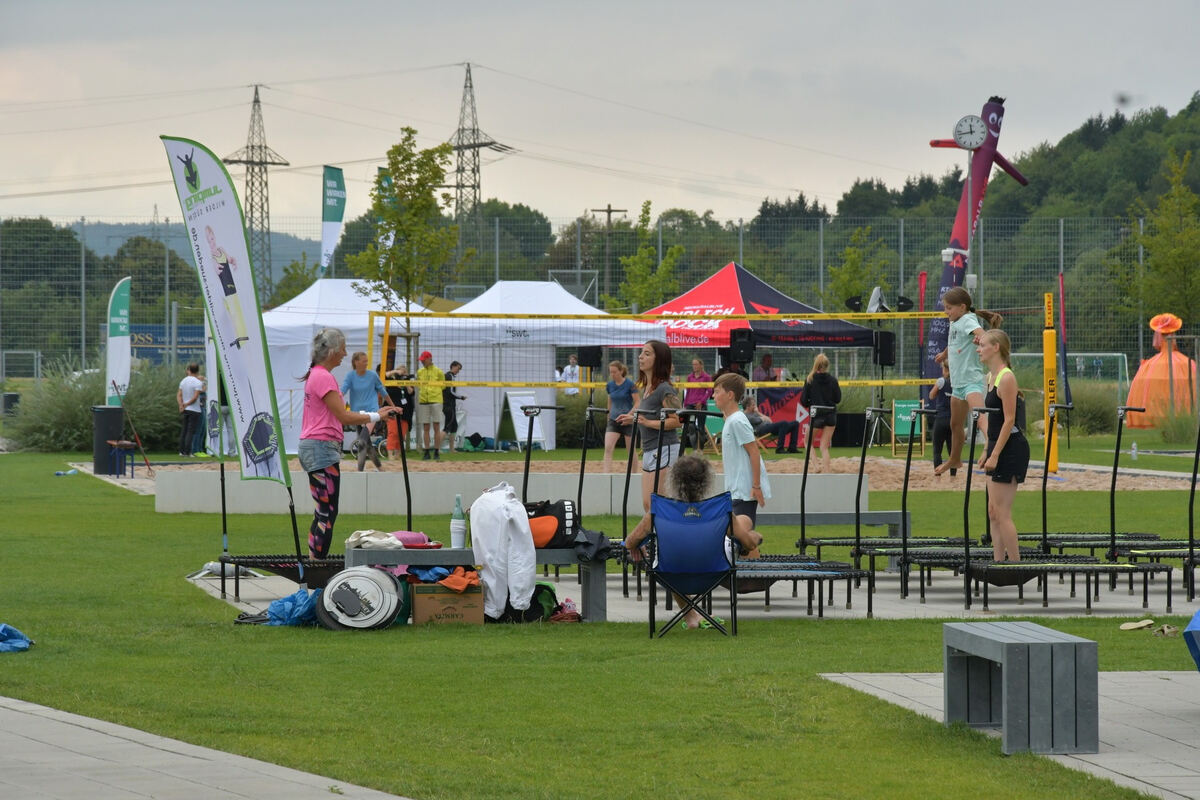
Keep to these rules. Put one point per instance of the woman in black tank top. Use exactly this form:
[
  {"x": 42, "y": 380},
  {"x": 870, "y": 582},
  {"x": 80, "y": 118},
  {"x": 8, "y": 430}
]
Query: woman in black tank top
[{"x": 1007, "y": 456}]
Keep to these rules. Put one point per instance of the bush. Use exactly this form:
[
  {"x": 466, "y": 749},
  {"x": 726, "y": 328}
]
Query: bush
[
  {"x": 1179, "y": 429},
  {"x": 1095, "y": 407},
  {"x": 568, "y": 423},
  {"x": 56, "y": 412}
]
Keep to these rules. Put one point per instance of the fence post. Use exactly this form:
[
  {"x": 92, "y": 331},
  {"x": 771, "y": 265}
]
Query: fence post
[
  {"x": 900, "y": 344},
  {"x": 82, "y": 296},
  {"x": 497, "y": 249},
  {"x": 741, "y": 255},
  {"x": 660, "y": 241},
  {"x": 1141, "y": 277},
  {"x": 821, "y": 261}
]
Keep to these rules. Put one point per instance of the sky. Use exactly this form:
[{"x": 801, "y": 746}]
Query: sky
[{"x": 709, "y": 106}]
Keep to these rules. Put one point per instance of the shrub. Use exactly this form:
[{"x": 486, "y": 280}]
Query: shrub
[
  {"x": 568, "y": 423},
  {"x": 1095, "y": 407},
  {"x": 1179, "y": 429},
  {"x": 55, "y": 413}
]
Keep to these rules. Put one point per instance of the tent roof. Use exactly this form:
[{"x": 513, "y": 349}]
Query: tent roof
[
  {"x": 334, "y": 296},
  {"x": 533, "y": 297},
  {"x": 735, "y": 290},
  {"x": 526, "y": 297}
]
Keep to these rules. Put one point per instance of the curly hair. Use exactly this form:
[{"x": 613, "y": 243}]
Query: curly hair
[{"x": 691, "y": 476}]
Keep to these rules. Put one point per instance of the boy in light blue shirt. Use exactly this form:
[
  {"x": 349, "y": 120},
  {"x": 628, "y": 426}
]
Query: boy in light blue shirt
[{"x": 745, "y": 472}]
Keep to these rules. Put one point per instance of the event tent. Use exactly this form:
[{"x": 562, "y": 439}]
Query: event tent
[
  {"x": 520, "y": 349},
  {"x": 735, "y": 290},
  {"x": 328, "y": 303}
]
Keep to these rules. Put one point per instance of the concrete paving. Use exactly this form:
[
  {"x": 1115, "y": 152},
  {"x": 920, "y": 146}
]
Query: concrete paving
[
  {"x": 47, "y": 754},
  {"x": 1149, "y": 724}
]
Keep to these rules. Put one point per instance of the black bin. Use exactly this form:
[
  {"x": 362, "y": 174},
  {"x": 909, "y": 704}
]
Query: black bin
[
  {"x": 108, "y": 422},
  {"x": 11, "y": 399}
]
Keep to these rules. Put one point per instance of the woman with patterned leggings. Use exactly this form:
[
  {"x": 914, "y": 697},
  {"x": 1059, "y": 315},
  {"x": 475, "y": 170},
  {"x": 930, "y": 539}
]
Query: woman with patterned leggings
[{"x": 325, "y": 413}]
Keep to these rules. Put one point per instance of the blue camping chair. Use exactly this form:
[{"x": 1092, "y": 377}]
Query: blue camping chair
[{"x": 688, "y": 555}]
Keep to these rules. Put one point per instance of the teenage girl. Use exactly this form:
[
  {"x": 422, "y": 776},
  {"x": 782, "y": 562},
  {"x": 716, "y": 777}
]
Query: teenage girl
[
  {"x": 966, "y": 372},
  {"x": 1007, "y": 456},
  {"x": 657, "y": 392}
]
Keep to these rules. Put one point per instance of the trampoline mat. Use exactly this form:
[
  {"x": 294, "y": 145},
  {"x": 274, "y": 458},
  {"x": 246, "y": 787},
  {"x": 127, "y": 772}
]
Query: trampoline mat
[
  {"x": 1001, "y": 575},
  {"x": 317, "y": 572}
]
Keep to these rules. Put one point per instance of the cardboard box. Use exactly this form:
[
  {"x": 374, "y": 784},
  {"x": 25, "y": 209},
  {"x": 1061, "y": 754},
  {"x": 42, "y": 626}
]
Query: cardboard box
[{"x": 432, "y": 602}]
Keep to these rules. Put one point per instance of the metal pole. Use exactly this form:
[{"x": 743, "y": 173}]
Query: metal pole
[
  {"x": 660, "y": 241},
  {"x": 1141, "y": 276},
  {"x": 497, "y": 249},
  {"x": 578, "y": 249},
  {"x": 82, "y": 297},
  {"x": 901, "y": 346},
  {"x": 741, "y": 231},
  {"x": 174, "y": 334},
  {"x": 166, "y": 274},
  {"x": 821, "y": 261}
]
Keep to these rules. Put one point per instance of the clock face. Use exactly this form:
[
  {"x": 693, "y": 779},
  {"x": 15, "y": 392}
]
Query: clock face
[{"x": 970, "y": 132}]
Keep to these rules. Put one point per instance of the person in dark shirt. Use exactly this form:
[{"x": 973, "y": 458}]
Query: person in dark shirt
[{"x": 821, "y": 388}]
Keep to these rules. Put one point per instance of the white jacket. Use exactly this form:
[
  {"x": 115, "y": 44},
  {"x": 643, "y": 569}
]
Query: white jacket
[{"x": 503, "y": 546}]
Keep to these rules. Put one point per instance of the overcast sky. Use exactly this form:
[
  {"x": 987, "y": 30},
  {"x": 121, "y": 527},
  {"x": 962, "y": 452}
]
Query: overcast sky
[{"x": 701, "y": 105}]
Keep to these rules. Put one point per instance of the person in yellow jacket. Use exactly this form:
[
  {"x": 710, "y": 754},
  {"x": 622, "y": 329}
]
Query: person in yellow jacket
[{"x": 429, "y": 405}]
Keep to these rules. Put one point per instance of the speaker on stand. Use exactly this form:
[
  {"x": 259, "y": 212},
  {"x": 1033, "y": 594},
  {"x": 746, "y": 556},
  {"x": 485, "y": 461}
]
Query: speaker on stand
[
  {"x": 883, "y": 354},
  {"x": 592, "y": 358},
  {"x": 741, "y": 346}
]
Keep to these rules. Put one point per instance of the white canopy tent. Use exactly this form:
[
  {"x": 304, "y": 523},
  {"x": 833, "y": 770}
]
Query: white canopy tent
[
  {"x": 290, "y": 328},
  {"x": 513, "y": 350}
]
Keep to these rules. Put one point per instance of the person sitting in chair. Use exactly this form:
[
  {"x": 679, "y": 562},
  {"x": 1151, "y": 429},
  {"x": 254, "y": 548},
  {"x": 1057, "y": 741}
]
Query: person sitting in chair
[
  {"x": 691, "y": 478},
  {"x": 783, "y": 430}
]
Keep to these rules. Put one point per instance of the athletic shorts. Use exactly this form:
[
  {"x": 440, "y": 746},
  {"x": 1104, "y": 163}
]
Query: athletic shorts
[
  {"x": 961, "y": 392},
  {"x": 429, "y": 413},
  {"x": 670, "y": 452},
  {"x": 616, "y": 427},
  {"x": 746, "y": 508},
  {"x": 1013, "y": 461},
  {"x": 826, "y": 419}
]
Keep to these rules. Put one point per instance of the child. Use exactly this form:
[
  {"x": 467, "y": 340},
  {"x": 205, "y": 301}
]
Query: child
[
  {"x": 939, "y": 396},
  {"x": 745, "y": 472},
  {"x": 966, "y": 373}
]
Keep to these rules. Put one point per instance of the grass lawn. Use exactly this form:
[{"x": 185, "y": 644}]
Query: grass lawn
[{"x": 95, "y": 576}]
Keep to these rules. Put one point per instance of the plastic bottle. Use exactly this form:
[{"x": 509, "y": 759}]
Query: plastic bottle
[
  {"x": 458, "y": 524},
  {"x": 60, "y": 472},
  {"x": 1133, "y": 451}
]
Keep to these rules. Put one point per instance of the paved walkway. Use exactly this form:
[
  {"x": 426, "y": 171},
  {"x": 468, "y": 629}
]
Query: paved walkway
[
  {"x": 1149, "y": 724},
  {"x": 47, "y": 754}
]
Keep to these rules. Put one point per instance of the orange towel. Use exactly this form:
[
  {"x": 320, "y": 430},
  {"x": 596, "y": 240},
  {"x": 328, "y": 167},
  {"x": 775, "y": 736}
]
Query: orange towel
[{"x": 460, "y": 579}]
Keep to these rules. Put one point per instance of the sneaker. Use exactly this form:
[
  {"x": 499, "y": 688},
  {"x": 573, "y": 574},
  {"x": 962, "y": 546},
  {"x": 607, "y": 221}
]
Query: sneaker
[
  {"x": 425, "y": 456},
  {"x": 437, "y": 455}
]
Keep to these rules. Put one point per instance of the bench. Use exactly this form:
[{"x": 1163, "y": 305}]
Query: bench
[
  {"x": 592, "y": 574},
  {"x": 1039, "y": 686}
]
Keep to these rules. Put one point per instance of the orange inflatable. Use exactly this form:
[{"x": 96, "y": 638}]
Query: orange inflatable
[{"x": 1166, "y": 371}]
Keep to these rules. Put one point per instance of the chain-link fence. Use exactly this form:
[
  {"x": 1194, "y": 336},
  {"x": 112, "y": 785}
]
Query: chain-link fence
[{"x": 56, "y": 274}]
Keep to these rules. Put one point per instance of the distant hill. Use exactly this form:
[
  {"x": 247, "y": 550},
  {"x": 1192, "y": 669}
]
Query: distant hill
[{"x": 104, "y": 238}]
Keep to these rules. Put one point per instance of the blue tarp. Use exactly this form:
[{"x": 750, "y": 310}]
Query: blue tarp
[
  {"x": 12, "y": 640},
  {"x": 295, "y": 609},
  {"x": 1191, "y": 635}
]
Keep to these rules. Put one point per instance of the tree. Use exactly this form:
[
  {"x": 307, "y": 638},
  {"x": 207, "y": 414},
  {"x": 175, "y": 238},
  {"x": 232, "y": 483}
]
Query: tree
[
  {"x": 413, "y": 251},
  {"x": 1172, "y": 242},
  {"x": 297, "y": 276},
  {"x": 647, "y": 282},
  {"x": 865, "y": 265},
  {"x": 866, "y": 198}
]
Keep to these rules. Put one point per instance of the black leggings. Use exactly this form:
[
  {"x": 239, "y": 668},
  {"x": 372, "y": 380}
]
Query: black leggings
[{"x": 941, "y": 436}]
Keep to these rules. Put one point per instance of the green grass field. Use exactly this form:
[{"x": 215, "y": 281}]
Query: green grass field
[{"x": 96, "y": 577}]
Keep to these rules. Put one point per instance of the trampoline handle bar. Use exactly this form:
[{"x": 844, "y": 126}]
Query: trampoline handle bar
[
  {"x": 533, "y": 411},
  {"x": 823, "y": 409},
  {"x": 596, "y": 410},
  {"x": 696, "y": 412},
  {"x": 1122, "y": 410},
  {"x": 872, "y": 410},
  {"x": 977, "y": 410}
]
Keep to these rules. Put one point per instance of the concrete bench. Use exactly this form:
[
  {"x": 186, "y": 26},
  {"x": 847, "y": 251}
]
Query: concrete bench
[
  {"x": 1039, "y": 686},
  {"x": 592, "y": 574}
]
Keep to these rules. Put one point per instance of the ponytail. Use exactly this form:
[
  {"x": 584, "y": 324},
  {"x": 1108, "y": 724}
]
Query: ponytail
[{"x": 990, "y": 317}]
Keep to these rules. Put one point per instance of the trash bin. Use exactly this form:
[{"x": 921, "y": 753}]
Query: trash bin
[
  {"x": 108, "y": 422},
  {"x": 11, "y": 399}
]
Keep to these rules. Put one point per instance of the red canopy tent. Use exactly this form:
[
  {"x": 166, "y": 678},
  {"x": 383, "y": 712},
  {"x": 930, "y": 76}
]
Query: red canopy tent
[{"x": 734, "y": 290}]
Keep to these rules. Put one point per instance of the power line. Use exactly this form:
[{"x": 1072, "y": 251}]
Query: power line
[{"x": 697, "y": 123}]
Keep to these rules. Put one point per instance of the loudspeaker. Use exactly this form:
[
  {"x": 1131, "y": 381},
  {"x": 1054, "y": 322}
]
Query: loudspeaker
[
  {"x": 589, "y": 357},
  {"x": 741, "y": 346},
  {"x": 884, "y": 353}
]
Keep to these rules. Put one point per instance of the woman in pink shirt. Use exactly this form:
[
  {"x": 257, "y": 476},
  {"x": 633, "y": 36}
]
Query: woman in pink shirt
[{"x": 325, "y": 413}]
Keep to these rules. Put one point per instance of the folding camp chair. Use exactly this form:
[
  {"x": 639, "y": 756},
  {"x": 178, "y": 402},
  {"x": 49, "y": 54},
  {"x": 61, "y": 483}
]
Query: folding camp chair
[{"x": 689, "y": 554}]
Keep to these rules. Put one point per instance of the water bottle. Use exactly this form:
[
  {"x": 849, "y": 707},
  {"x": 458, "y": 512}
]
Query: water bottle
[
  {"x": 61, "y": 473},
  {"x": 458, "y": 524},
  {"x": 1133, "y": 451}
]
